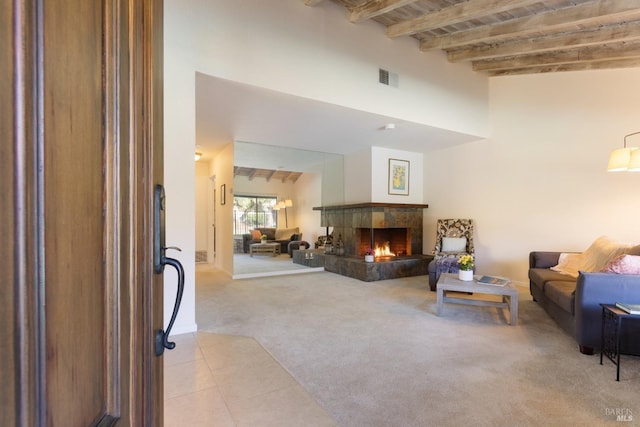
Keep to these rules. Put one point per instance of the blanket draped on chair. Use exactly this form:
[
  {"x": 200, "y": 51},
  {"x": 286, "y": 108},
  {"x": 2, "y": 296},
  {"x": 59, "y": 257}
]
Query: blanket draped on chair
[{"x": 446, "y": 265}]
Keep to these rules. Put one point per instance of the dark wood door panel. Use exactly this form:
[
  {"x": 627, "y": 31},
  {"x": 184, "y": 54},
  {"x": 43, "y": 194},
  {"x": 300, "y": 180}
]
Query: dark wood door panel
[
  {"x": 7, "y": 218},
  {"x": 81, "y": 150},
  {"x": 73, "y": 219}
]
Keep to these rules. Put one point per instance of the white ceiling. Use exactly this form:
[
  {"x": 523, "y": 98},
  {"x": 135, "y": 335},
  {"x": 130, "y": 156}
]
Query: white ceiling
[{"x": 228, "y": 111}]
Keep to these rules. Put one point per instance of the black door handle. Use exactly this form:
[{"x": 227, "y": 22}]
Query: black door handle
[
  {"x": 162, "y": 337},
  {"x": 159, "y": 261}
]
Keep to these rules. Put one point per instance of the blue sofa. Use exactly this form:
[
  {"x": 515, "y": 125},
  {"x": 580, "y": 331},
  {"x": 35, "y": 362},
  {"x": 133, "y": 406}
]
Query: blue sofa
[{"x": 575, "y": 303}]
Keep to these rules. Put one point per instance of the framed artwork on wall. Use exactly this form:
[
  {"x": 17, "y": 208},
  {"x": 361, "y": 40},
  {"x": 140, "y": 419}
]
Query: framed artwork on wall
[
  {"x": 223, "y": 194},
  {"x": 399, "y": 177}
]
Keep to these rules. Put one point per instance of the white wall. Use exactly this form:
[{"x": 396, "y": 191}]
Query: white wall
[
  {"x": 318, "y": 54},
  {"x": 179, "y": 183},
  {"x": 357, "y": 174},
  {"x": 308, "y": 190},
  {"x": 367, "y": 176},
  {"x": 380, "y": 176},
  {"x": 540, "y": 181}
]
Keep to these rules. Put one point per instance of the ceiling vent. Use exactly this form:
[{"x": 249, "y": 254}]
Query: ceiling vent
[{"x": 388, "y": 78}]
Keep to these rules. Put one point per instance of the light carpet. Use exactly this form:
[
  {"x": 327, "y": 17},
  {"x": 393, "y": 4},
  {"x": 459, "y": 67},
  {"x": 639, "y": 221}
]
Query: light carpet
[{"x": 375, "y": 354}]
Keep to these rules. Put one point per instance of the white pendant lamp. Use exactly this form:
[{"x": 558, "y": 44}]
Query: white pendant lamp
[{"x": 625, "y": 159}]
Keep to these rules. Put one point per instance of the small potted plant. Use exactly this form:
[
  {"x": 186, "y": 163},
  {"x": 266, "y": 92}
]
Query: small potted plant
[
  {"x": 263, "y": 238},
  {"x": 465, "y": 273},
  {"x": 368, "y": 255}
]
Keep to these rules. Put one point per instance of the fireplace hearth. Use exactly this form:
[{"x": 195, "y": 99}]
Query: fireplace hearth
[{"x": 382, "y": 269}]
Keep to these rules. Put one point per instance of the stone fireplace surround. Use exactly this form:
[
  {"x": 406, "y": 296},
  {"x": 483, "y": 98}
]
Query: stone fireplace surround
[{"x": 354, "y": 223}]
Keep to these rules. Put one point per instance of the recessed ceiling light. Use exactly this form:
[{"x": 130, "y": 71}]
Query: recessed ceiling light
[{"x": 390, "y": 126}]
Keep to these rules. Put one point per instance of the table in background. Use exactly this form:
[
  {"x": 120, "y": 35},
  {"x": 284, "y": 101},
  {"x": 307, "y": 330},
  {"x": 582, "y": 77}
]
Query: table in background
[
  {"x": 450, "y": 282},
  {"x": 612, "y": 319},
  {"x": 264, "y": 248}
]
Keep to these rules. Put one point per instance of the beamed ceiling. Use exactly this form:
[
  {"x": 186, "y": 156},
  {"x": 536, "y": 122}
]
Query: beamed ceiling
[
  {"x": 505, "y": 37},
  {"x": 268, "y": 174}
]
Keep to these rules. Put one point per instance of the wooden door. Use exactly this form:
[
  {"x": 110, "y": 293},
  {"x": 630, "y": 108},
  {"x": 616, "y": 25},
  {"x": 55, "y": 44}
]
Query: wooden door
[{"x": 80, "y": 154}]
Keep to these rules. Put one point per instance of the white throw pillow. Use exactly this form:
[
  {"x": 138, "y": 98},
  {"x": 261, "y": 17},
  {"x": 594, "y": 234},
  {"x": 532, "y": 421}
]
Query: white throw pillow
[
  {"x": 569, "y": 263},
  {"x": 454, "y": 244}
]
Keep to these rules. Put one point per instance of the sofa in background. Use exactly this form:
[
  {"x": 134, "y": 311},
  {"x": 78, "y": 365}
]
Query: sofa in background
[
  {"x": 274, "y": 235},
  {"x": 574, "y": 302}
]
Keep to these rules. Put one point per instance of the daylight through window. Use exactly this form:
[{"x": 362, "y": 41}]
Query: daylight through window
[{"x": 251, "y": 212}]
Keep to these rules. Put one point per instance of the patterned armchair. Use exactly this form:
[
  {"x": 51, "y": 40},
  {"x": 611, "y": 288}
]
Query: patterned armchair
[
  {"x": 454, "y": 238},
  {"x": 324, "y": 240}
]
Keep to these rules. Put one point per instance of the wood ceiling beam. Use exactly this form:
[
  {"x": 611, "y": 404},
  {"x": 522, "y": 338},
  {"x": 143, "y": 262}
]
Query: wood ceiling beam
[
  {"x": 457, "y": 13},
  {"x": 373, "y": 8},
  {"x": 602, "y": 35},
  {"x": 288, "y": 176},
  {"x": 580, "y": 66},
  {"x": 270, "y": 175},
  {"x": 603, "y": 12},
  {"x": 252, "y": 174},
  {"x": 587, "y": 54}
]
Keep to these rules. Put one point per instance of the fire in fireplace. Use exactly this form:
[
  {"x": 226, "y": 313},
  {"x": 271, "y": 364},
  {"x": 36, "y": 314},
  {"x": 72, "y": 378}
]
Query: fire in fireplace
[
  {"x": 386, "y": 242},
  {"x": 383, "y": 250}
]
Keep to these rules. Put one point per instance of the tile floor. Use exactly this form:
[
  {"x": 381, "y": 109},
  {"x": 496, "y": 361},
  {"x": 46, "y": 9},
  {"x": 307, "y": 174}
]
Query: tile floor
[{"x": 223, "y": 380}]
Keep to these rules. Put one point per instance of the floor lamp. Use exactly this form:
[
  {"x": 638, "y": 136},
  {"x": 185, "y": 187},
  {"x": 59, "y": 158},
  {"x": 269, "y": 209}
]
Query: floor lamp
[{"x": 284, "y": 205}]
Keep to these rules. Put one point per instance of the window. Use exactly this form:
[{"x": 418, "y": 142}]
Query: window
[{"x": 250, "y": 212}]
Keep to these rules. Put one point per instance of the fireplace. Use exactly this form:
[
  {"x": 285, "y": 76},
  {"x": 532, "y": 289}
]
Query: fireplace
[
  {"x": 366, "y": 225},
  {"x": 386, "y": 242}
]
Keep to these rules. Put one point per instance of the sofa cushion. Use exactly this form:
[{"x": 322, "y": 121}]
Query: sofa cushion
[
  {"x": 269, "y": 231},
  {"x": 256, "y": 234},
  {"x": 540, "y": 276},
  {"x": 285, "y": 233},
  {"x": 623, "y": 264},
  {"x": 561, "y": 293}
]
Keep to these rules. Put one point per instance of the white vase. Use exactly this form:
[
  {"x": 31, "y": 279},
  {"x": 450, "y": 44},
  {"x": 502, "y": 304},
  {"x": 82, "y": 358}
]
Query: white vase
[
  {"x": 465, "y": 275},
  {"x": 263, "y": 241},
  {"x": 368, "y": 258}
]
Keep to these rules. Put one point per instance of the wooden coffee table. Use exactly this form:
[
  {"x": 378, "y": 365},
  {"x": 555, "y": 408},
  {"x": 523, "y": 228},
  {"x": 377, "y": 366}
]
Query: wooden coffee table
[
  {"x": 450, "y": 282},
  {"x": 264, "y": 248}
]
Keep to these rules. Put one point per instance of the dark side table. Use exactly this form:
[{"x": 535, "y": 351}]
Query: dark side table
[{"x": 612, "y": 319}]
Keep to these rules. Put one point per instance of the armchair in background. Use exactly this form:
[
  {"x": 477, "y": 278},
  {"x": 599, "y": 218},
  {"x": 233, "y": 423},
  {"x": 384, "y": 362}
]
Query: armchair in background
[
  {"x": 454, "y": 238},
  {"x": 324, "y": 240}
]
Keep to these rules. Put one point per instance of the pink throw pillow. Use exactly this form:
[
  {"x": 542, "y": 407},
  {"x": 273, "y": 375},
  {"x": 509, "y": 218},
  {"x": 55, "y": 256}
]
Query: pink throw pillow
[
  {"x": 256, "y": 234},
  {"x": 623, "y": 264}
]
